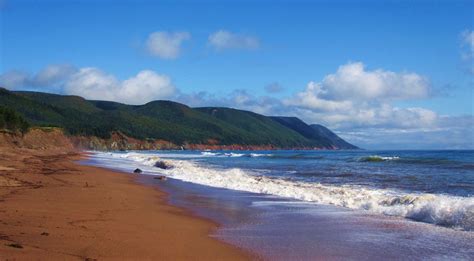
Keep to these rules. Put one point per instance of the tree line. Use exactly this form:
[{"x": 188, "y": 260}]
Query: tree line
[{"x": 12, "y": 121}]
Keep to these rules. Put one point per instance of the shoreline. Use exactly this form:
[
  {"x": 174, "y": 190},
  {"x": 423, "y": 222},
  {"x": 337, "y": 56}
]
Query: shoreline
[
  {"x": 55, "y": 208},
  {"x": 283, "y": 228}
]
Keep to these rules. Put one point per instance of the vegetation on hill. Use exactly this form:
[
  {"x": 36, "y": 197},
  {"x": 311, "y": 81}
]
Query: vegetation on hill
[
  {"x": 318, "y": 133},
  {"x": 337, "y": 141},
  {"x": 157, "y": 120},
  {"x": 257, "y": 128},
  {"x": 12, "y": 121}
]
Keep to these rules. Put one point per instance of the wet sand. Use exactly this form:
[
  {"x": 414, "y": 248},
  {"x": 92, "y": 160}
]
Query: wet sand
[
  {"x": 284, "y": 229},
  {"x": 53, "y": 208}
]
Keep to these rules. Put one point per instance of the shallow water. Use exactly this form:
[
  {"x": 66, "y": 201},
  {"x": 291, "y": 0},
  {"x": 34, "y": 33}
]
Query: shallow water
[
  {"x": 304, "y": 205},
  {"x": 283, "y": 229}
]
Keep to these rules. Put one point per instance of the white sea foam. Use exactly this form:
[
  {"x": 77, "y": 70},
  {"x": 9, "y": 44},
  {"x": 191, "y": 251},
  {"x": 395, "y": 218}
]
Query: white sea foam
[
  {"x": 219, "y": 154},
  {"x": 450, "y": 211},
  {"x": 379, "y": 158},
  {"x": 260, "y": 155},
  {"x": 390, "y": 158},
  {"x": 232, "y": 154},
  {"x": 208, "y": 153}
]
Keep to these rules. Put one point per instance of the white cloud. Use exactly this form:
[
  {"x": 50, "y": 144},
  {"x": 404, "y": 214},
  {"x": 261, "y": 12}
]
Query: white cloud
[
  {"x": 92, "y": 83},
  {"x": 353, "y": 81},
  {"x": 51, "y": 76},
  {"x": 145, "y": 85},
  {"x": 166, "y": 45},
  {"x": 355, "y": 96},
  {"x": 310, "y": 98},
  {"x": 378, "y": 116},
  {"x": 223, "y": 39}
]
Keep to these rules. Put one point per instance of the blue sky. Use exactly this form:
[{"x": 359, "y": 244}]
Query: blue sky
[{"x": 369, "y": 70}]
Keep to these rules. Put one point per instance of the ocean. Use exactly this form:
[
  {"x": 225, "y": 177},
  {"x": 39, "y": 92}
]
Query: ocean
[{"x": 303, "y": 205}]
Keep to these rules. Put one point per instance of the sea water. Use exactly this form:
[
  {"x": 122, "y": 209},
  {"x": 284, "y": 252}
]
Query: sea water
[{"x": 324, "y": 204}]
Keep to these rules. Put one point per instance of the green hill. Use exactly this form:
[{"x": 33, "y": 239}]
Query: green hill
[
  {"x": 337, "y": 141},
  {"x": 257, "y": 128},
  {"x": 164, "y": 120},
  {"x": 321, "y": 135}
]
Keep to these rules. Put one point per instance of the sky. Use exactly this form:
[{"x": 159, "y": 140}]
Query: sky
[{"x": 381, "y": 74}]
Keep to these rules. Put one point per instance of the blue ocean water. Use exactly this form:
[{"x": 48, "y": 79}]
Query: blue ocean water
[
  {"x": 288, "y": 205},
  {"x": 437, "y": 172}
]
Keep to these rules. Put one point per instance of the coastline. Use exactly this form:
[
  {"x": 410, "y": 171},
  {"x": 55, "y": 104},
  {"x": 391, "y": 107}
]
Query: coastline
[
  {"x": 54, "y": 208},
  {"x": 215, "y": 186}
]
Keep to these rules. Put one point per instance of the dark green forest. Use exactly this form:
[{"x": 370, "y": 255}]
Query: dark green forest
[{"x": 10, "y": 120}]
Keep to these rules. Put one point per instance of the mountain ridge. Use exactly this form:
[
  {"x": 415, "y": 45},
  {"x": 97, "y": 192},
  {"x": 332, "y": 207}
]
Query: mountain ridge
[{"x": 167, "y": 121}]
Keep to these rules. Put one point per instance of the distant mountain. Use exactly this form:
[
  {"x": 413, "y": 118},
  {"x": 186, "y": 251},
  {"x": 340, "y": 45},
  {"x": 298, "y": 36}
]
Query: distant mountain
[
  {"x": 260, "y": 129},
  {"x": 321, "y": 135},
  {"x": 167, "y": 121},
  {"x": 324, "y": 132}
]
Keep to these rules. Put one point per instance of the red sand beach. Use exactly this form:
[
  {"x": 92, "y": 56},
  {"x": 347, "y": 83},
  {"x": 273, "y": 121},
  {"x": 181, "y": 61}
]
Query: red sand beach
[{"x": 53, "y": 208}]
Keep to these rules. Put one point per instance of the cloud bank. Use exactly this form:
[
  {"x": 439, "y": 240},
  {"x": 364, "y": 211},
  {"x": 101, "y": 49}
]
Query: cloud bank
[{"x": 358, "y": 103}]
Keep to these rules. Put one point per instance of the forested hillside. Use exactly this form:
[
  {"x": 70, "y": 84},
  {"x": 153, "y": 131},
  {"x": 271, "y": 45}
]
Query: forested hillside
[
  {"x": 160, "y": 120},
  {"x": 12, "y": 121}
]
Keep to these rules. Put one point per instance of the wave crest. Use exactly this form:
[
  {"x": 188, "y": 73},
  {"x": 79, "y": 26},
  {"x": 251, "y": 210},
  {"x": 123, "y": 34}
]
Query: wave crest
[{"x": 376, "y": 158}]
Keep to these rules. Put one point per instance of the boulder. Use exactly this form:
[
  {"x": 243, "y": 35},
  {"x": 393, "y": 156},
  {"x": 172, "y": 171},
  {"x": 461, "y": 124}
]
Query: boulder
[
  {"x": 160, "y": 178},
  {"x": 162, "y": 165},
  {"x": 137, "y": 171}
]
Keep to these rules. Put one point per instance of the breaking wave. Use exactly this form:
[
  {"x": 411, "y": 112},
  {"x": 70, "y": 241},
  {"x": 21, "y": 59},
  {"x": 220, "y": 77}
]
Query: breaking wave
[
  {"x": 410, "y": 160},
  {"x": 233, "y": 154},
  {"x": 256, "y": 155},
  {"x": 376, "y": 158},
  {"x": 449, "y": 211}
]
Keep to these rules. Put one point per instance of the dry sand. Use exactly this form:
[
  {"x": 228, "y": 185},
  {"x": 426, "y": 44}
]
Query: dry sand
[{"x": 52, "y": 208}]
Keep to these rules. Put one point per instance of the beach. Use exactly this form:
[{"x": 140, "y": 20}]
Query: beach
[{"x": 53, "y": 208}]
